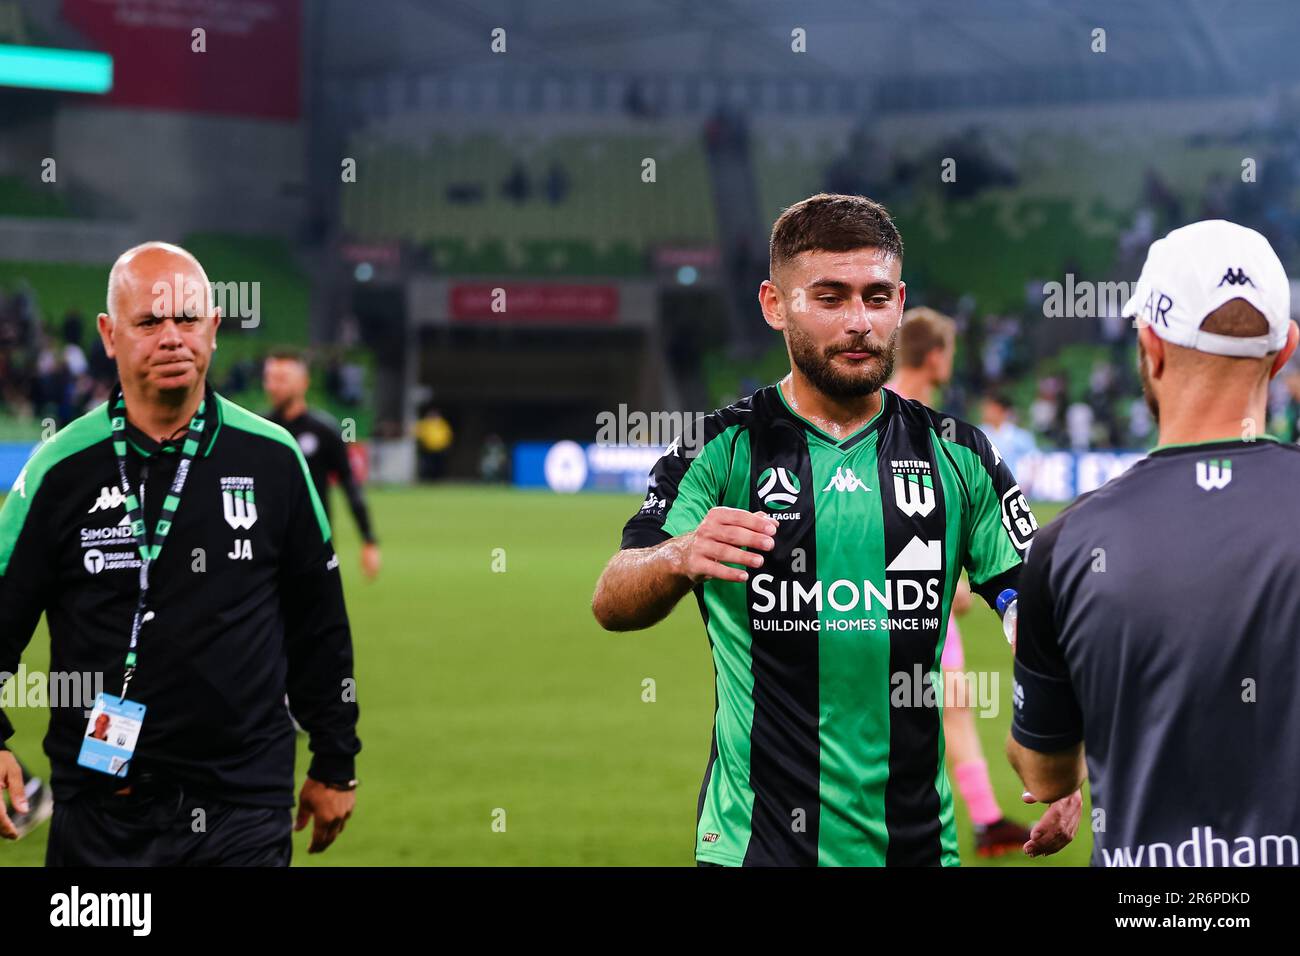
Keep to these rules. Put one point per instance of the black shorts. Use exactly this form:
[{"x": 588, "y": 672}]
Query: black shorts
[{"x": 164, "y": 825}]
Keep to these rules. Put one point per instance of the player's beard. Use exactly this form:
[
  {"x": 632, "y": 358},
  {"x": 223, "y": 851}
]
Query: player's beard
[
  {"x": 1148, "y": 392},
  {"x": 818, "y": 367}
]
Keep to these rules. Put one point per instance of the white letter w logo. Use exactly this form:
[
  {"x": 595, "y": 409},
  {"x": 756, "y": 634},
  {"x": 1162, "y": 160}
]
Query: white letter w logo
[
  {"x": 239, "y": 507},
  {"x": 1213, "y": 474},
  {"x": 912, "y": 497}
]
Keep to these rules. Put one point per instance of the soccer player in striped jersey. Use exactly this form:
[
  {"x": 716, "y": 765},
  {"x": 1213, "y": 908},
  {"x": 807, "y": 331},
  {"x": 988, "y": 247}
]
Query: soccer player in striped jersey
[
  {"x": 927, "y": 343},
  {"x": 822, "y": 526}
]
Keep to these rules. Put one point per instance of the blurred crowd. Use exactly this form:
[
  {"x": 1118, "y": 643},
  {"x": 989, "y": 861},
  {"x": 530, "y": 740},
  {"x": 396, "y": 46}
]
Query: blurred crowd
[
  {"x": 49, "y": 374},
  {"x": 1092, "y": 399},
  {"x": 59, "y": 374}
]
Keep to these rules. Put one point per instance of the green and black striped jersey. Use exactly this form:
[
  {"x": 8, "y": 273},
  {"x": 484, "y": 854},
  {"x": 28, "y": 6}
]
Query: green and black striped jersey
[{"x": 820, "y": 755}]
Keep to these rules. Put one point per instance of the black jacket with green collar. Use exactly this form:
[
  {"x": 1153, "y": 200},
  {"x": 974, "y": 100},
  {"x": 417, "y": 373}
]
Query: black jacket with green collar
[{"x": 246, "y": 594}]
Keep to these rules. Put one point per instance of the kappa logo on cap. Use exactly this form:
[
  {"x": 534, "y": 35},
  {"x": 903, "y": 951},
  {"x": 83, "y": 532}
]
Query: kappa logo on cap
[{"x": 1236, "y": 278}]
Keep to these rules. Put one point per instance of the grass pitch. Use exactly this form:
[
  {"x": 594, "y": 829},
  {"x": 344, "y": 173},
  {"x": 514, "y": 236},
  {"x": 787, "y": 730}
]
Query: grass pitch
[{"x": 492, "y": 697}]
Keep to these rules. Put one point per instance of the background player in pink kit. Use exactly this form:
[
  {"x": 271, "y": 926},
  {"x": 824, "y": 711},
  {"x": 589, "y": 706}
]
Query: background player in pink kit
[{"x": 926, "y": 345}]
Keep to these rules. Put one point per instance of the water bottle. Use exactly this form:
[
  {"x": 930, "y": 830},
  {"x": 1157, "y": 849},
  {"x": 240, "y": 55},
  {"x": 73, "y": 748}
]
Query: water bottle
[{"x": 1006, "y": 603}]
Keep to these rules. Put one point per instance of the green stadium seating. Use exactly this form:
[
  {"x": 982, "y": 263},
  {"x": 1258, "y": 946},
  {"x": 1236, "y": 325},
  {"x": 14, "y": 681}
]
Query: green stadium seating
[{"x": 605, "y": 225}]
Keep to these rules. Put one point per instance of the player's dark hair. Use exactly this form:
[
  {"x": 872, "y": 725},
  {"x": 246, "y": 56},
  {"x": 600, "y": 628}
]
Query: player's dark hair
[
  {"x": 1236, "y": 317},
  {"x": 828, "y": 222},
  {"x": 921, "y": 332},
  {"x": 1000, "y": 399}
]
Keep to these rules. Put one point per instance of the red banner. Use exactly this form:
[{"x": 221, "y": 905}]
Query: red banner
[
  {"x": 249, "y": 64},
  {"x": 520, "y": 302}
]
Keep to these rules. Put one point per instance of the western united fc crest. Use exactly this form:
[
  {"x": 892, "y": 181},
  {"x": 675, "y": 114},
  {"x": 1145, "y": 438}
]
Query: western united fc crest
[{"x": 237, "y": 502}]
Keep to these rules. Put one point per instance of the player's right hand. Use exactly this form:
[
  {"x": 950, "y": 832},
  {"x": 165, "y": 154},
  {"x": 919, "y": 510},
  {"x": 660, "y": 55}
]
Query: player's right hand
[
  {"x": 707, "y": 551},
  {"x": 11, "y": 780}
]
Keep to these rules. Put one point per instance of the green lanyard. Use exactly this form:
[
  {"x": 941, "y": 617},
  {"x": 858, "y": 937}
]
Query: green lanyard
[{"x": 149, "y": 546}]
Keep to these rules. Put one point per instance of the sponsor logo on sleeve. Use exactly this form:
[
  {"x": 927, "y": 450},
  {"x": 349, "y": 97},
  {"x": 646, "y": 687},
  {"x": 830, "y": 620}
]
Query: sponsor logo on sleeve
[{"x": 1018, "y": 519}]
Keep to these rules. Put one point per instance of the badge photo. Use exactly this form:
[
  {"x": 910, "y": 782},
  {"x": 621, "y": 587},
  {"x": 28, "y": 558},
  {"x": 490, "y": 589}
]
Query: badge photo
[{"x": 111, "y": 735}]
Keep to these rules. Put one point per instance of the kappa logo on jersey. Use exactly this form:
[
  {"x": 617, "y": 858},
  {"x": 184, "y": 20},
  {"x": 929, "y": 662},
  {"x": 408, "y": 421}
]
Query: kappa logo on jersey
[
  {"x": 1018, "y": 519},
  {"x": 653, "y": 503},
  {"x": 1214, "y": 473},
  {"x": 778, "y": 500},
  {"x": 110, "y": 497},
  {"x": 918, "y": 555},
  {"x": 237, "y": 502},
  {"x": 20, "y": 483},
  {"x": 845, "y": 480}
]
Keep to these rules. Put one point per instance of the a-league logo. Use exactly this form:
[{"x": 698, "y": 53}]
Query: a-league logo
[
  {"x": 778, "y": 500},
  {"x": 237, "y": 502}
]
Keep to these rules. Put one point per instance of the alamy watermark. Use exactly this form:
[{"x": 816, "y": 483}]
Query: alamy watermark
[
  {"x": 236, "y": 300},
  {"x": 978, "y": 690},
  {"x": 681, "y": 432},
  {"x": 1083, "y": 299},
  {"x": 25, "y": 688}
]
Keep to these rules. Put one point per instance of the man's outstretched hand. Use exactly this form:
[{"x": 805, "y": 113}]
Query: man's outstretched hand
[{"x": 1057, "y": 827}]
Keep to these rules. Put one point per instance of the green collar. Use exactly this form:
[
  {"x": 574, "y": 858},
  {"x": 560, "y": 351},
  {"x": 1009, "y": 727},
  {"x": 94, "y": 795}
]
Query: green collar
[
  {"x": 1212, "y": 441},
  {"x": 841, "y": 443},
  {"x": 147, "y": 447}
]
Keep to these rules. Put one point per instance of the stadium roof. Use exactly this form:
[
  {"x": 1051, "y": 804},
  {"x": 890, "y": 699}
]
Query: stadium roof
[{"x": 880, "y": 40}]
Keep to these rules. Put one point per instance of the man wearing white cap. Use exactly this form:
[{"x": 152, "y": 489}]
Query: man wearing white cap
[{"x": 1158, "y": 615}]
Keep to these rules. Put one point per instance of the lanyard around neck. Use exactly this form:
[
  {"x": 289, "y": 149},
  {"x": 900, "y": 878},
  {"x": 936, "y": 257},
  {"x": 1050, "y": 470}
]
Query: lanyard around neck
[{"x": 149, "y": 546}]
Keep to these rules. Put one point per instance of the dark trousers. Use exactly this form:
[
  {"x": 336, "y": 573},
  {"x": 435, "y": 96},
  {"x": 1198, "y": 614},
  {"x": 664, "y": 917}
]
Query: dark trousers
[{"x": 164, "y": 825}]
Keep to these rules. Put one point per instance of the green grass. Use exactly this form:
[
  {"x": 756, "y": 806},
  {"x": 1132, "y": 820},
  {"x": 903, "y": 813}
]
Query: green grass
[{"x": 483, "y": 690}]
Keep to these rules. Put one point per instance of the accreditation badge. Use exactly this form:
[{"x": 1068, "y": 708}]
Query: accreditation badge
[{"x": 111, "y": 734}]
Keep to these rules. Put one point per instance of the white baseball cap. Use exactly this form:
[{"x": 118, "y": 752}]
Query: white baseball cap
[{"x": 1197, "y": 268}]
